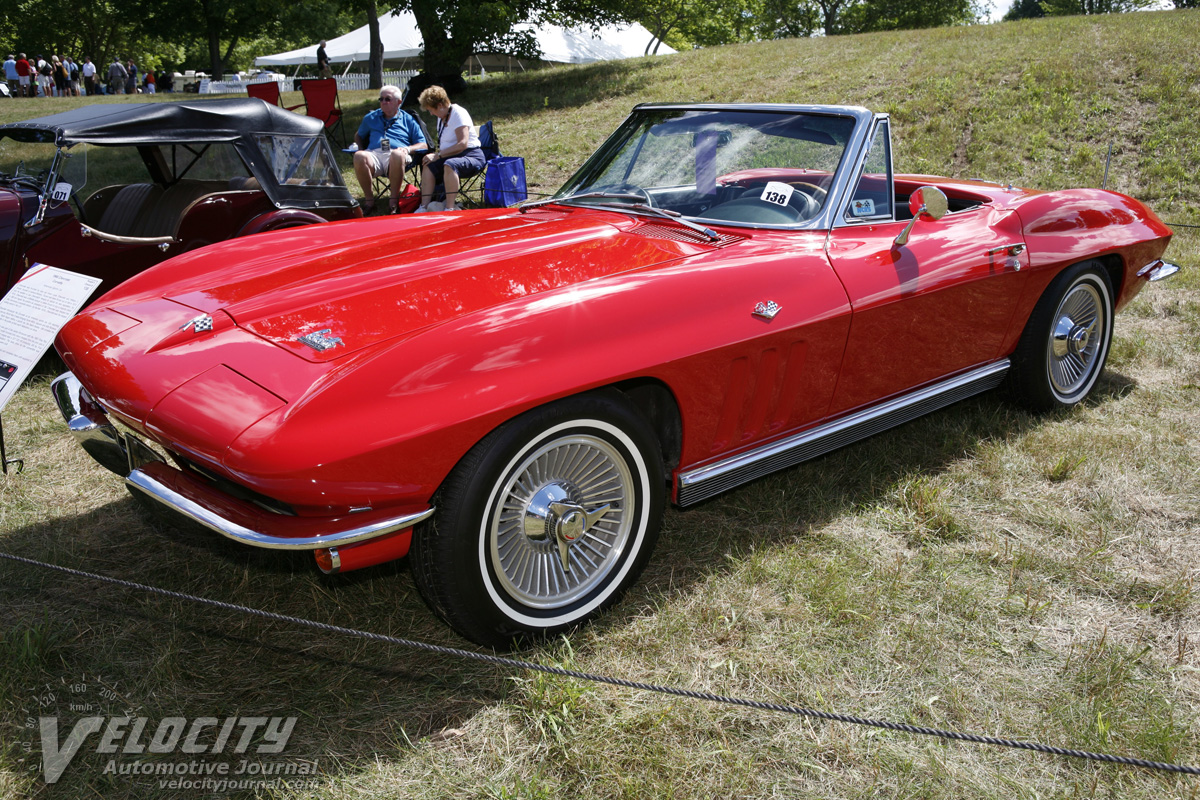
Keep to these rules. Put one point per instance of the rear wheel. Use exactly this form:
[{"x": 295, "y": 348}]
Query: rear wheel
[
  {"x": 545, "y": 521},
  {"x": 1066, "y": 340}
]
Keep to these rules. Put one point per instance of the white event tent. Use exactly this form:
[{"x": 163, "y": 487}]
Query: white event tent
[{"x": 402, "y": 39}]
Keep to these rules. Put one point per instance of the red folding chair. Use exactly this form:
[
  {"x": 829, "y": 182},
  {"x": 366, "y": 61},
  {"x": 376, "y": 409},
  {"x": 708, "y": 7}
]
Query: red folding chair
[
  {"x": 321, "y": 101},
  {"x": 269, "y": 91}
]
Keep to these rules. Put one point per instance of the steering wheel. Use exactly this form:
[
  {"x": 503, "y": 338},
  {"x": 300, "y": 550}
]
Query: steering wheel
[
  {"x": 804, "y": 204},
  {"x": 811, "y": 189},
  {"x": 624, "y": 188}
]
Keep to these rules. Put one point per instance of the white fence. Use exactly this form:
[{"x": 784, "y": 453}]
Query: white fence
[{"x": 351, "y": 82}]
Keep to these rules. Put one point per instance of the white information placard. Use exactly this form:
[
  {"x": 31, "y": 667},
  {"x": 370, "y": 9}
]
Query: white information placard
[{"x": 30, "y": 316}]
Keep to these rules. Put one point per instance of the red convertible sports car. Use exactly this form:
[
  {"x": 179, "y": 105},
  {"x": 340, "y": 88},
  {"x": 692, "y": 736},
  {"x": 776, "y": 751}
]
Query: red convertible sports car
[{"x": 509, "y": 397}]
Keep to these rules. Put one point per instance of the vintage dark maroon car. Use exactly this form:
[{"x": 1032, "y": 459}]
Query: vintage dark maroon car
[
  {"x": 514, "y": 394},
  {"x": 111, "y": 189}
]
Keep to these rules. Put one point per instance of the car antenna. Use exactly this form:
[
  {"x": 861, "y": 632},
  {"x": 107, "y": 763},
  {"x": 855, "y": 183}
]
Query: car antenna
[{"x": 1107, "y": 162}]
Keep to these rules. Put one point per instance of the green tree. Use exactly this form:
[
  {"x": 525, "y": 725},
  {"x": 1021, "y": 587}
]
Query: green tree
[
  {"x": 1063, "y": 8},
  {"x": 1024, "y": 9},
  {"x": 786, "y": 19},
  {"x": 893, "y": 15},
  {"x": 97, "y": 29},
  {"x": 454, "y": 29},
  {"x": 218, "y": 27}
]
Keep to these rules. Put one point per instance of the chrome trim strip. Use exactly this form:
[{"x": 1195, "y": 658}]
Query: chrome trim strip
[
  {"x": 173, "y": 500},
  {"x": 1158, "y": 269},
  {"x": 842, "y": 189},
  {"x": 87, "y": 231},
  {"x": 704, "y": 482}
]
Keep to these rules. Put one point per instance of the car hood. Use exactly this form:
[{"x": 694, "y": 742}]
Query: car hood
[{"x": 332, "y": 290}]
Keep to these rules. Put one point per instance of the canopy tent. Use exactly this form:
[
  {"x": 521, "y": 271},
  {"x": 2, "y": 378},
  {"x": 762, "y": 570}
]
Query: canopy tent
[{"x": 402, "y": 39}]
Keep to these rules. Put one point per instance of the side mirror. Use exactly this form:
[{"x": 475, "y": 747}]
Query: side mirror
[{"x": 928, "y": 202}]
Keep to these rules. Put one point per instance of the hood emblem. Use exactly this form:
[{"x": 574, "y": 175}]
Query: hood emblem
[
  {"x": 767, "y": 310},
  {"x": 319, "y": 340},
  {"x": 199, "y": 324}
]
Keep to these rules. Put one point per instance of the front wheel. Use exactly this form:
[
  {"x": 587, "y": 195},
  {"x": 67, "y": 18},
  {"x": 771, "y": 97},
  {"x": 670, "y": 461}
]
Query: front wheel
[
  {"x": 544, "y": 522},
  {"x": 1066, "y": 340}
]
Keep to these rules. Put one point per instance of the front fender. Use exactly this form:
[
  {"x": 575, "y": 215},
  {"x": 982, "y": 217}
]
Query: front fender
[{"x": 1066, "y": 227}]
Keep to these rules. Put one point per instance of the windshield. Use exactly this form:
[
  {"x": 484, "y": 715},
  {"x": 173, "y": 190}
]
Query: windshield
[{"x": 740, "y": 166}]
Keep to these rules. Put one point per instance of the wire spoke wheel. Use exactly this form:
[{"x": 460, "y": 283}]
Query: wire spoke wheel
[
  {"x": 1075, "y": 342},
  {"x": 562, "y": 521},
  {"x": 544, "y": 522},
  {"x": 1066, "y": 339}
]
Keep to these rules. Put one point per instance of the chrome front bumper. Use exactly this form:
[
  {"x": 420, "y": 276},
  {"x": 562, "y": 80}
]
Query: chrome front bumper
[
  {"x": 89, "y": 424},
  {"x": 197, "y": 500}
]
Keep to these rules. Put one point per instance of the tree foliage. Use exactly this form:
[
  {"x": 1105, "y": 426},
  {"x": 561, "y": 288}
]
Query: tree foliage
[
  {"x": 98, "y": 29},
  {"x": 1063, "y": 8},
  {"x": 893, "y": 15},
  {"x": 1025, "y": 9},
  {"x": 454, "y": 29},
  {"x": 217, "y": 27}
]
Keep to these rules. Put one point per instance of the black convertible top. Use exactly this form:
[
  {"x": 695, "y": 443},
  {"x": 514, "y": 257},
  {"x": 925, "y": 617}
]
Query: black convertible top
[{"x": 162, "y": 123}]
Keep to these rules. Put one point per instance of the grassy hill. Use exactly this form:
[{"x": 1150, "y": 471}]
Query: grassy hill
[{"x": 983, "y": 570}]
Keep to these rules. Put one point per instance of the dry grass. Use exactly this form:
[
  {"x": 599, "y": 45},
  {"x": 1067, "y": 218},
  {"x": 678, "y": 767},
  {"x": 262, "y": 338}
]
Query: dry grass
[{"x": 982, "y": 569}]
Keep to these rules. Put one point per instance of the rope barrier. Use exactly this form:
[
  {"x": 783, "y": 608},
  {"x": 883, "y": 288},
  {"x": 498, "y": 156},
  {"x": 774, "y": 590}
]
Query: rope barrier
[{"x": 627, "y": 684}]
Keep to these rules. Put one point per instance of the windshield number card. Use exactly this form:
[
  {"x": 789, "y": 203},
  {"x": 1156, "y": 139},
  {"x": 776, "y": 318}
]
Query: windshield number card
[
  {"x": 62, "y": 192},
  {"x": 863, "y": 208},
  {"x": 777, "y": 193}
]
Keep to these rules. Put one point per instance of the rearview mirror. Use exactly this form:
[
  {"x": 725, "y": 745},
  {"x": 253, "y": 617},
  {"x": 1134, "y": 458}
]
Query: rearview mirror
[{"x": 929, "y": 203}]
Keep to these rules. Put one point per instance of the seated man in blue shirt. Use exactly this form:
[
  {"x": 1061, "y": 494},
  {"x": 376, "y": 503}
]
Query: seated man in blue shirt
[{"x": 404, "y": 136}]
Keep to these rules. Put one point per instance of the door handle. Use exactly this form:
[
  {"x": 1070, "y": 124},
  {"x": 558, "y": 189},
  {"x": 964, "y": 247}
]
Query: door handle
[{"x": 1012, "y": 253}]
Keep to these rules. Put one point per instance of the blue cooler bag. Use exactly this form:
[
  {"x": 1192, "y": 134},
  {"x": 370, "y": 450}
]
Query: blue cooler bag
[{"x": 504, "y": 183}]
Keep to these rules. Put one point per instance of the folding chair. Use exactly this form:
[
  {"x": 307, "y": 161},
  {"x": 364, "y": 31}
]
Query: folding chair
[
  {"x": 321, "y": 102},
  {"x": 269, "y": 91},
  {"x": 383, "y": 185},
  {"x": 470, "y": 192}
]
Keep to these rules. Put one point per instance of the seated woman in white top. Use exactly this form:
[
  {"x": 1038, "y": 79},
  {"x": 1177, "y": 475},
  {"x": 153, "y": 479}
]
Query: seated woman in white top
[{"x": 458, "y": 155}]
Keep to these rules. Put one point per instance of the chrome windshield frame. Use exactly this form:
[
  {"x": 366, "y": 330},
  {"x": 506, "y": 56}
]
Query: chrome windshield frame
[{"x": 841, "y": 183}]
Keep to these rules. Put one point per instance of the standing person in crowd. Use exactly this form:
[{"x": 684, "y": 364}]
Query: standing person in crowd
[
  {"x": 131, "y": 77},
  {"x": 89, "y": 76},
  {"x": 73, "y": 70},
  {"x": 116, "y": 77},
  {"x": 148, "y": 82},
  {"x": 166, "y": 79},
  {"x": 404, "y": 137},
  {"x": 10, "y": 75},
  {"x": 24, "y": 70},
  {"x": 323, "y": 68},
  {"x": 45, "y": 79},
  {"x": 459, "y": 155},
  {"x": 62, "y": 78}
]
